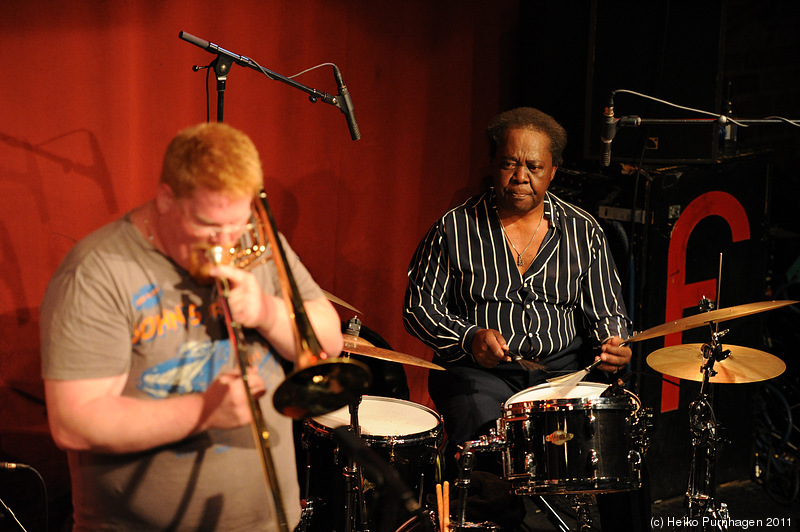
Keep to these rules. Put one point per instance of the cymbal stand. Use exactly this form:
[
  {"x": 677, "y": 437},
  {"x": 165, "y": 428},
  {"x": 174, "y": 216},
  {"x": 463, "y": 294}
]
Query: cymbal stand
[
  {"x": 583, "y": 517},
  {"x": 699, "y": 501},
  {"x": 355, "y": 505}
]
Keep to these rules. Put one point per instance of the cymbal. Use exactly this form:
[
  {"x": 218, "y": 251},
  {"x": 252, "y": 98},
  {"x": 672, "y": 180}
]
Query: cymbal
[
  {"x": 359, "y": 346},
  {"x": 333, "y": 299},
  {"x": 743, "y": 365},
  {"x": 704, "y": 318}
]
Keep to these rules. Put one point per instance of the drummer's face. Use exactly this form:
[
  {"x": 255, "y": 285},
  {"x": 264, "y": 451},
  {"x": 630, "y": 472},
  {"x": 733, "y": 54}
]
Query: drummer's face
[{"x": 522, "y": 169}]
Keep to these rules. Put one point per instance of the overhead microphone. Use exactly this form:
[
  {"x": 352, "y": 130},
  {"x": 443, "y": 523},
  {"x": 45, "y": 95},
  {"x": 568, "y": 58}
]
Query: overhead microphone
[
  {"x": 609, "y": 130},
  {"x": 342, "y": 100},
  {"x": 346, "y": 105}
]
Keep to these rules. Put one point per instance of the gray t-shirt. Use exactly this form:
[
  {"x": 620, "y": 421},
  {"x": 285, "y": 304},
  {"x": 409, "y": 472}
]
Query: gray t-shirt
[{"x": 116, "y": 305}]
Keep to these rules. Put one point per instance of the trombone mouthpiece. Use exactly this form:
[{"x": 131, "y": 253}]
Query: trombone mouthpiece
[{"x": 215, "y": 255}]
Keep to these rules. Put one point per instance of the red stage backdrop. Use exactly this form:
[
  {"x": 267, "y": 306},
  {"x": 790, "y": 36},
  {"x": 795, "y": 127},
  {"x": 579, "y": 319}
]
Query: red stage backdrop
[{"x": 92, "y": 92}]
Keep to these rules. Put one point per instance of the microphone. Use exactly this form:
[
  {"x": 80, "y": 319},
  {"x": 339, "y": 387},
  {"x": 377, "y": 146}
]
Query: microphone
[
  {"x": 345, "y": 103},
  {"x": 609, "y": 130},
  {"x": 12, "y": 465},
  {"x": 375, "y": 468}
]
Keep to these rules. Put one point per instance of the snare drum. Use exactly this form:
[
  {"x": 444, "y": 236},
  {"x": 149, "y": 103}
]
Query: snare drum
[
  {"x": 408, "y": 436},
  {"x": 570, "y": 440}
]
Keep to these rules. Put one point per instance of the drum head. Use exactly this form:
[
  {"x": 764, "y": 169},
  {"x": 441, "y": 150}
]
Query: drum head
[
  {"x": 547, "y": 391},
  {"x": 385, "y": 416}
]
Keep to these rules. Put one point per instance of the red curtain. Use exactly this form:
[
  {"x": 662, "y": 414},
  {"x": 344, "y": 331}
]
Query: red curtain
[{"x": 92, "y": 92}]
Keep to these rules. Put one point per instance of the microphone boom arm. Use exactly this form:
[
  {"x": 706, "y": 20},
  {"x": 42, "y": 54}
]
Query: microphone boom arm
[{"x": 226, "y": 58}]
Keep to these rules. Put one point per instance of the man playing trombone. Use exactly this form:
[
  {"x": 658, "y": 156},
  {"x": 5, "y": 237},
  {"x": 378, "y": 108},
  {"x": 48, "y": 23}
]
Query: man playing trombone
[{"x": 142, "y": 386}]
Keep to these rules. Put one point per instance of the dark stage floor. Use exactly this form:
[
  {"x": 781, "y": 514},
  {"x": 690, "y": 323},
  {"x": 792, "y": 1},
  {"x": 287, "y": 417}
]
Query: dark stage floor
[{"x": 749, "y": 508}]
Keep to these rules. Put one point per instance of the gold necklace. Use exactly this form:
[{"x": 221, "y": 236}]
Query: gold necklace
[{"x": 520, "y": 260}]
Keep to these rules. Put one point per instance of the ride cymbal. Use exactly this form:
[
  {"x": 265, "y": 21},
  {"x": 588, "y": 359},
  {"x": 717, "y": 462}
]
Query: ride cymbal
[
  {"x": 704, "y": 318},
  {"x": 743, "y": 365},
  {"x": 359, "y": 346}
]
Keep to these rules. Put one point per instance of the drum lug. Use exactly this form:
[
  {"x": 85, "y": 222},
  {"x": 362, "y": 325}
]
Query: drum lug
[
  {"x": 593, "y": 461},
  {"x": 530, "y": 463},
  {"x": 591, "y": 423},
  {"x": 304, "y": 439},
  {"x": 635, "y": 461}
]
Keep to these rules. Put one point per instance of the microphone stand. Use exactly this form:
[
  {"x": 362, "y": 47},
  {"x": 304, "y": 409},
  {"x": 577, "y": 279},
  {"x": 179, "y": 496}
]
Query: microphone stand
[
  {"x": 222, "y": 65},
  {"x": 722, "y": 120}
]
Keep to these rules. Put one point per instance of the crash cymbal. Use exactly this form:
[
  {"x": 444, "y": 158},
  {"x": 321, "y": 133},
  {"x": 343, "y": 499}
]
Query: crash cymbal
[
  {"x": 743, "y": 365},
  {"x": 359, "y": 346},
  {"x": 704, "y": 318},
  {"x": 333, "y": 299}
]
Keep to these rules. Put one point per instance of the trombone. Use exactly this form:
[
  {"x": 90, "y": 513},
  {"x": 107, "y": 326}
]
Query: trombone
[{"x": 319, "y": 383}]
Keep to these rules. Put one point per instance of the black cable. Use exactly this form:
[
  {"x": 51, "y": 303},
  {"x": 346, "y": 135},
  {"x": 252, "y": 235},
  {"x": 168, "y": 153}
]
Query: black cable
[
  {"x": 45, "y": 503},
  {"x": 8, "y": 511}
]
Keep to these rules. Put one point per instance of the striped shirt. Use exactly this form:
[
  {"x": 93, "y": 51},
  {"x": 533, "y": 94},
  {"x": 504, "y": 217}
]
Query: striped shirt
[{"x": 463, "y": 277}]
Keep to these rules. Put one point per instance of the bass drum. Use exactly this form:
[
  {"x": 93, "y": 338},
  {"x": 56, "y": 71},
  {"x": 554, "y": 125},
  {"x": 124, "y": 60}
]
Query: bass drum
[
  {"x": 408, "y": 436},
  {"x": 571, "y": 440}
]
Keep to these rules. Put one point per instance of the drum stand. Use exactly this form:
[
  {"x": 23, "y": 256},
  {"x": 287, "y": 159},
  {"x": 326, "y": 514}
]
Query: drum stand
[{"x": 700, "y": 504}]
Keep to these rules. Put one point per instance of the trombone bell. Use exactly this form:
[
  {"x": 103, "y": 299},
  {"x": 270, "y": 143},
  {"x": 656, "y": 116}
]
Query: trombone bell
[{"x": 326, "y": 386}]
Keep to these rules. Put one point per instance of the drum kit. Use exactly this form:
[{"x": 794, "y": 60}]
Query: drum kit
[{"x": 563, "y": 437}]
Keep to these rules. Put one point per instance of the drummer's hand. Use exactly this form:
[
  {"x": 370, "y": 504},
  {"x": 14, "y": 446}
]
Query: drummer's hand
[
  {"x": 249, "y": 306},
  {"x": 489, "y": 348},
  {"x": 614, "y": 356}
]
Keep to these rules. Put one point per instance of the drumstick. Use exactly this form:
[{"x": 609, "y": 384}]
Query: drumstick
[
  {"x": 440, "y": 506},
  {"x": 446, "y": 499}
]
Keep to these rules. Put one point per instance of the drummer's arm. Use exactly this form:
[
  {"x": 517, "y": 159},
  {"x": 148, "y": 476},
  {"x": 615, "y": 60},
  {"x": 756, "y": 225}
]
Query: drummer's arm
[
  {"x": 614, "y": 355},
  {"x": 489, "y": 348},
  {"x": 426, "y": 315}
]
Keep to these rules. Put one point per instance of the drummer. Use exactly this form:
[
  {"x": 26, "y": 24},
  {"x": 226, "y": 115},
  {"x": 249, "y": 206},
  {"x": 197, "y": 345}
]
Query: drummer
[{"x": 516, "y": 272}]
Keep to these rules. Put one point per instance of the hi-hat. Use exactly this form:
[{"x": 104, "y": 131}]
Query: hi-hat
[
  {"x": 705, "y": 318},
  {"x": 743, "y": 365},
  {"x": 359, "y": 346}
]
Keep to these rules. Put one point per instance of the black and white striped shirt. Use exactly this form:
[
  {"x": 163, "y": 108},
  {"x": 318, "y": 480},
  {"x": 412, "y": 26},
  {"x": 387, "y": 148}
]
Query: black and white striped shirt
[{"x": 463, "y": 277}]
